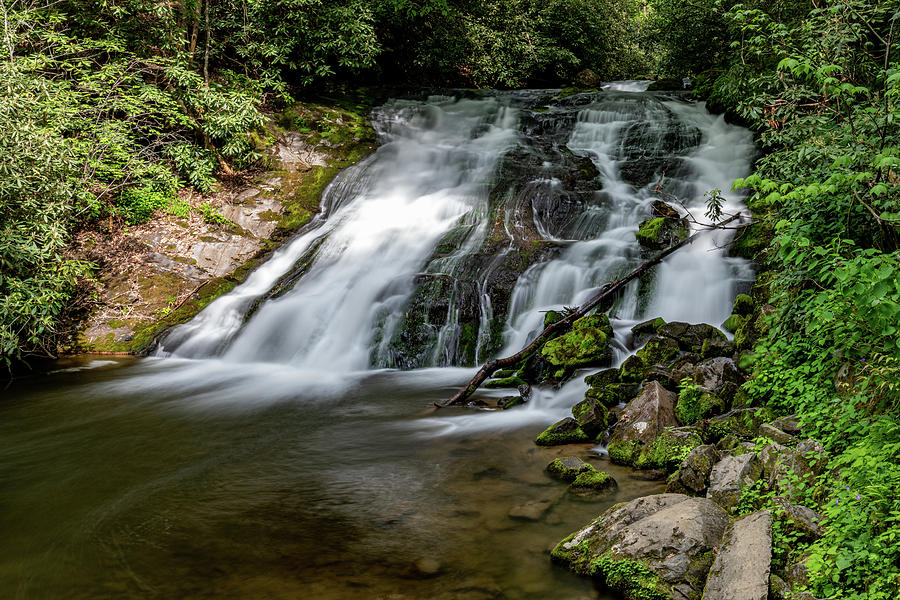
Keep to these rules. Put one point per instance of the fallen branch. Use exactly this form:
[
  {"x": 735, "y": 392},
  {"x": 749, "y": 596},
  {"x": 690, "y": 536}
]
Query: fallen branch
[{"x": 493, "y": 365}]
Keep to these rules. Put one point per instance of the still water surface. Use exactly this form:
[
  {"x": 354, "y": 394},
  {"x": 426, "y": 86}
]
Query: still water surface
[{"x": 126, "y": 480}]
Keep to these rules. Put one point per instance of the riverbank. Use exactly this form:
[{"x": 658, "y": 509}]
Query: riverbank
[{"x": 161, "y": 273}]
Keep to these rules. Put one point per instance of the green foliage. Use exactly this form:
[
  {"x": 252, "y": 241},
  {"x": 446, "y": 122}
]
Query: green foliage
[
  {"x": 212, "y": 215},
  {"x": 820, "y": 86}
]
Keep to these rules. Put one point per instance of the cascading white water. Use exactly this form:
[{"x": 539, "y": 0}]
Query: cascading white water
[
  {"x": 433, "y": 168},
  {"x": 694, "y": 285}
]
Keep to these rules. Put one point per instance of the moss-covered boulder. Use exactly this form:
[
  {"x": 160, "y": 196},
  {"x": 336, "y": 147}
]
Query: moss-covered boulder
[
  {"x": 613, "y": 394},
  {"x": 566, "y": 431},
  {"x": 591, "y": 482},
  {"x": 692, "y": 476},
  {"x": 740, "y": 422},
  {"x": 715, "y": 347},
  {"x": 603, "y": 378},
  {"x": 733, "y": 322},
  {"x": 743, "y": 305},
  {"x": 641, "y": 422},
  {"x": 653, "y": 548},
  {"x": 551, "y": 317},
  {"x": 586, "y": 345},
  {"x": 690, "y": 337},
  {"x": 659, "y": 232},
  {"x": 649, "y": 327},
  {"x": 568, "y": 468},
  {"x": 658, "y": 351},
  {"x": 632, "y": 370},
  {"x": 668, "y": 450},
  {"x": 695, "y": 405},
  {"x": 591, "y": 416}
]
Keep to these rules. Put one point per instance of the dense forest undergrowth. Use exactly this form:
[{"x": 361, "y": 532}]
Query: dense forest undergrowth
[{"x": 111, "y": 110}]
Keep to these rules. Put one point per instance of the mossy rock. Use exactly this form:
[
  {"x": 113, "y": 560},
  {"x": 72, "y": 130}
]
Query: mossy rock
[
  {"x": 629, "y": 577},
  {"x": 632, "y": 370},
  {"x": 592, "y": 416},
  {"x": 733, "y": 322},
  {"x": 510, "y": 402},
  {"x": 658, "y": 351},
  {"x": 566, "y": 431},
  {"x": 504, "y": 373},
  {"x": 693, "y": 406},
  {"x": 668, "y": 451},
  {"x": 599, "y": 321},
  {"x": 715, "y": 347},
  {"x": 745, "y": 336},
  {"x": 551, "y": 317},
  {"x": 613, "y": 394},
  {"x": 506, "y": 382},
  {"x": 592, "y": 481},
  {"x": 568, "y": 468},
  {"x": 742, "y": 423},
  {"x": 743, "y": 305},
  {"x": 647, "y": 328},
  {"x": 579, "y": 348},
  {"x": 603, "y": 378},
  {"x": 659, "y": 233}
]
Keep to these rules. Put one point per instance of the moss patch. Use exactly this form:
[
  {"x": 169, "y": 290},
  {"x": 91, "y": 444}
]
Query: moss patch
[
  {"x": 633, "y": 579},
  {"x": 592, "y": 480}
]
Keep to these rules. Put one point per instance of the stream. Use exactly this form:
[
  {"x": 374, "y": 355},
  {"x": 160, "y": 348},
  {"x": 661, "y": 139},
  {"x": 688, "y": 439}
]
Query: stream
[{"x": 283, "y": 443}]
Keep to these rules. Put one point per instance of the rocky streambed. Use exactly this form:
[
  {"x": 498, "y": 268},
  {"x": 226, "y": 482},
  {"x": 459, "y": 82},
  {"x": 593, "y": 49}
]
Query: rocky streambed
[{"x": 678, "y": 410}]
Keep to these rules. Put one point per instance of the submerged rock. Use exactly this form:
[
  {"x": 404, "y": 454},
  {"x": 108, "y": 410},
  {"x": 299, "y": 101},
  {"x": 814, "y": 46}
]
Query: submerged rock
[
  {"x": 741, "y": 568},
  {"x": 652, "y": 547},
  {"x": 532, "y": 510}
]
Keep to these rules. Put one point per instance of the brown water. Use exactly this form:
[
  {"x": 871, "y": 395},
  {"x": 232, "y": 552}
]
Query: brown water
[{"x": 171, "y": 479}]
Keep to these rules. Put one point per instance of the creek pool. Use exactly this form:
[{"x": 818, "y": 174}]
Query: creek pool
[{"x": 153, "y": 478}]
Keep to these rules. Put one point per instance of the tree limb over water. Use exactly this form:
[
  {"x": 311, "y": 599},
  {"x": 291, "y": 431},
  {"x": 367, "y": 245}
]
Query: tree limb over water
[{"x": 605, "y": 293}]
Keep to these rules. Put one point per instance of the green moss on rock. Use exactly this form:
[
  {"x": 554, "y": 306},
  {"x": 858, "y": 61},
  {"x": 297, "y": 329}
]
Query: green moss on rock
[
  {"x": 629, "y": 577},
  {"x": 568, "y": 468},
  {"x": 578, "y": 348},
  {"x": 732, "y": 323},
  {"x": 566, "y": 431},
  {"x": 592, "y": 480},
  {"x": 512, "y": 381},
  {"x": 658, "y": 351},
  {"x": 743, "y": 305}
]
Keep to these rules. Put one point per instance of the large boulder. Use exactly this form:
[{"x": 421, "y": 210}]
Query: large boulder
[
  {"x": 585, "y": 345},
  {"x": 658, "y": 351},
  {"x": 690, "y": 337},
  {"x": 591, "y": 416},
  {"x": 730, "y": 476},
  {"x": 692, "y": 477},
  {"x": 719, "y": 376},
  {"x": 641, "y": 422},
  {"x": 653, "y": 547},
  {"x": 741, "y": 568}
]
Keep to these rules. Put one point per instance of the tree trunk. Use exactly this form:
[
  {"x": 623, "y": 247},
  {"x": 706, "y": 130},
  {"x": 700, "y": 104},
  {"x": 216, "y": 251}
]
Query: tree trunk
[{"x": 606, "y": 292}]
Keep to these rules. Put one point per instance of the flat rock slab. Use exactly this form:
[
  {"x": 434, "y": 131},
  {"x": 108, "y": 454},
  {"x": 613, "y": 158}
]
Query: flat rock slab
[{"x": 741, "y": 568}]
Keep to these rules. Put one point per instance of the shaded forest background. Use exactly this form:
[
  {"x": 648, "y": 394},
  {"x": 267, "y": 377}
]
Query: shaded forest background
[{"x": 109, "y": 107}]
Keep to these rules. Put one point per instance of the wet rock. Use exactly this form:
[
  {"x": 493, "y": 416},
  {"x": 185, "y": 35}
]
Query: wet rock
[
  {"x": 692, "y": 477},
  {"x": 665, "y": 210},
  {"x": 783, "y": 466},
  {"x": 730, "y": 476},
  {"x": 613, "y": 394},
  {"x": 508, "y": 402},
  {"x": 632, "y": 370},
  {"x": 662, "y": 375},
  {"x": 505, "y": 382},
  {"x": 647, "y": 475},
  {"x": 741, "y": 568},
  {"x": 655, "y": 547},
  {"x": 591, "y": 416},
  {"x": 585, "y": 345},
  {"x": 603, "y": 378},
  {"x": 694, "y": 405},
  {"x": 565, "y": 431},
  {"x": 644, "y": 331},
  {"x": 659, "y": 232},
  {"x": 427, "y": 568},
  {"x": 525, "y": 392},
  {"x": 658, "y": 351},
  {"x": 716, "y": 347},
  {"x": 743, "y": 305},
  {"x": 776, "y": 435},
  {"x": 532, "y": 510},
  {"x": 733, "y": 323},
  {"x": 568, "y": 468},
  {"x": 684, "y": 366},
  {"x": 643, "y": 419}
]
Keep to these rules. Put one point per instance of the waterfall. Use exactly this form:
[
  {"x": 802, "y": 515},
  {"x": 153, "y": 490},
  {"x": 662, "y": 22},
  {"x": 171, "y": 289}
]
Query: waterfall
[{"x": 473, "y": 216}]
